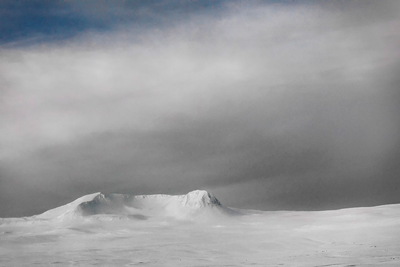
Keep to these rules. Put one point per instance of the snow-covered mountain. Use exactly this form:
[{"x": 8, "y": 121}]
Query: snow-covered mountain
[
  {"x": 195, "y": 205},
  {"x": 197, "y": 230}
]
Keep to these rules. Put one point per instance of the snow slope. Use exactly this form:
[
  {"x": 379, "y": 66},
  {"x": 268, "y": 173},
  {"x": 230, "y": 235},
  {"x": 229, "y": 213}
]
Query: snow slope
[
  {"x": 68, "y": 208},
  {"x": 197, "y": 230}
]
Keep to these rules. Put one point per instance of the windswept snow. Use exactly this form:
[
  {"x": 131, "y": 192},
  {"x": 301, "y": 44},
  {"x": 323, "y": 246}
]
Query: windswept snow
[
  {"x": 197, "y": 230},
  {"x": 68, "y": 208}
]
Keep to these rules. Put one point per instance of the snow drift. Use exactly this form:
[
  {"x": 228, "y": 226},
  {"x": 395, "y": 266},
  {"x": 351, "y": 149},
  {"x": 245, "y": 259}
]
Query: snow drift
[{"x": 196, "y": 205}]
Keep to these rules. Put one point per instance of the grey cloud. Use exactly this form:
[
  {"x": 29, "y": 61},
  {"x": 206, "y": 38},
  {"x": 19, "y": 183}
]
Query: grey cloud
[{"x": 297, "y": 104}]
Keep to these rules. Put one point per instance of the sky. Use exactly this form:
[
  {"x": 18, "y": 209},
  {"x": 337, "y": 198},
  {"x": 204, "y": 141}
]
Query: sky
[{"x": 269, "y": 105}]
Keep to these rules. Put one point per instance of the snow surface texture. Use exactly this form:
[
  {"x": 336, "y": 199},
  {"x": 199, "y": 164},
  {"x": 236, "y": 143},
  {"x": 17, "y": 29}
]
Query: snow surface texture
[{"x": 197, "y": 230}]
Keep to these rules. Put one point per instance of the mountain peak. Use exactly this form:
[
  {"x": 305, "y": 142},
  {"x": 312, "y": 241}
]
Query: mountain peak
[{"x": 200, "y": 198}]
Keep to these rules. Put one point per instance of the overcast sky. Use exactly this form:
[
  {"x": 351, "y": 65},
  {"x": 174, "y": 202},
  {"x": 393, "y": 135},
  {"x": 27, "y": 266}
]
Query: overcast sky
[{"x": 267, "y": 104}]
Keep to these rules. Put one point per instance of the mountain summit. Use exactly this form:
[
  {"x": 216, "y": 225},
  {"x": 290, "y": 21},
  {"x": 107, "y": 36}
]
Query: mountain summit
[
  {"x": 195, "y": 205},
  {"x": 200, "y": 198}
]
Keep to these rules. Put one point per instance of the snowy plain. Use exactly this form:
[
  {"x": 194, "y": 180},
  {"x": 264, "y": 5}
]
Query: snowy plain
[{"x": 197, "y": 230}]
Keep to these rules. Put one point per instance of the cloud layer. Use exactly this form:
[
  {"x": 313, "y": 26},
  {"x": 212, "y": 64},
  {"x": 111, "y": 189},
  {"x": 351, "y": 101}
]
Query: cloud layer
[{"x": 269, "y": 106}]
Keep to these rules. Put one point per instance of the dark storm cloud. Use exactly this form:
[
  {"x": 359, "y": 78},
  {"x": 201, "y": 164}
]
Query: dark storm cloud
[{"x": 269, "y": 106}]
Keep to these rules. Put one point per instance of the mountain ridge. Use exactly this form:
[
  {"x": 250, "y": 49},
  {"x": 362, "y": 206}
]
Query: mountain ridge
[{"x": 198, "y": 204}]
